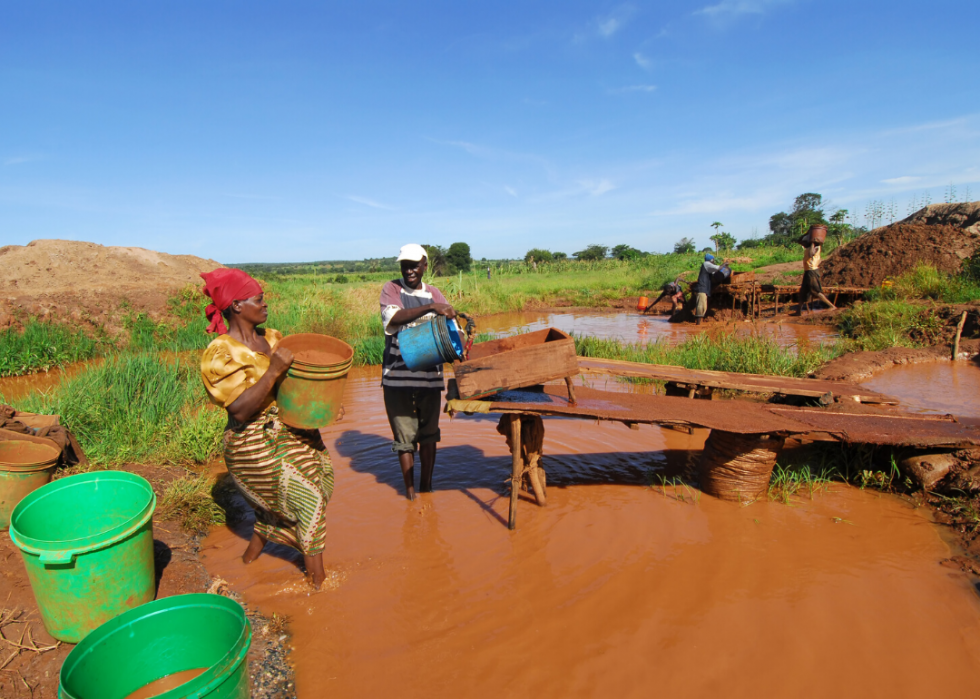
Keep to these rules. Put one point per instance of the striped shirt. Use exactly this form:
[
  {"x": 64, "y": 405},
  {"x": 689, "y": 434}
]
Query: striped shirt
[{"x": 395, "y": 296}]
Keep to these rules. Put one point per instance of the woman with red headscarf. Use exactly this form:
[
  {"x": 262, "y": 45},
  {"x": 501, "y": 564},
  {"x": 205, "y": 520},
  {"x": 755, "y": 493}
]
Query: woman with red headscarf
[{"x": 284, "y": 473}]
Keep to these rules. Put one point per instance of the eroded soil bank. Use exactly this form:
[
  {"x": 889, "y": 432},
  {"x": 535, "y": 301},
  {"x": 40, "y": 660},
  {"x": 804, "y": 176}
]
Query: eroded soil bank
[{"x": 616, "y": 588}]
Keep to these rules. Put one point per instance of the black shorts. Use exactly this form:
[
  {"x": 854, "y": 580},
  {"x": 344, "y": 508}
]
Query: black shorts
[{"x": 811, "y": 285}]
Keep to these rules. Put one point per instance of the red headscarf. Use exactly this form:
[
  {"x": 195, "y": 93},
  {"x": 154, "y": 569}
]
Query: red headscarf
[{"x": 223, "y": 286}]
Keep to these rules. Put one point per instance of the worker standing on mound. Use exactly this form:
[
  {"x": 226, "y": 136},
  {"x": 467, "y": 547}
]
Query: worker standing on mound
[
  {"x": 412, "y": 398},
  {"x": 811, "y": 285},
  {"x": 703, "y": 286}
]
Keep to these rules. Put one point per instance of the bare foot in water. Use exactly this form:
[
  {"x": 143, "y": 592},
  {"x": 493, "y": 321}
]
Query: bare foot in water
[
  {"x": 254, "y": 549},
  {"x": 314, "y": 569}
]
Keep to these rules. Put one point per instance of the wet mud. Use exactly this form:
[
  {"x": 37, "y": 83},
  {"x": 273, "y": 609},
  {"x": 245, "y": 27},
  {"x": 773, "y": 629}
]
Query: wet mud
[
  {"x": 934, "y": 387},
  {"x": 625, "y": 584},
  {"x": 638, "y": 328},
  {"x": 165, "y": 684}
]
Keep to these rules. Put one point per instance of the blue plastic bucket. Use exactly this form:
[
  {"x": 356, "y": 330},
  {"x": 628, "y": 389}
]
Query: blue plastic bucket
[{"x": 430, "y": 344}]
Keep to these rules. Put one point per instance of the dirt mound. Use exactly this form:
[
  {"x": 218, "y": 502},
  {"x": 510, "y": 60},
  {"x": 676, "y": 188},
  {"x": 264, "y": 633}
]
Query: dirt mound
[
  {"x": 88, "y": 282},
  {"x": 942, "y": 235}
]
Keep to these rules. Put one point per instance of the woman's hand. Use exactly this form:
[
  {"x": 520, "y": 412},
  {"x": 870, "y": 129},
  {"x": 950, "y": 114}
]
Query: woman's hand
[{"x": 280, "y": 361}]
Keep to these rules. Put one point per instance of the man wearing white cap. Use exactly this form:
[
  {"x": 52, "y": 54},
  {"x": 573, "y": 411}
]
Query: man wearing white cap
[{"x": 413, "y": 399}]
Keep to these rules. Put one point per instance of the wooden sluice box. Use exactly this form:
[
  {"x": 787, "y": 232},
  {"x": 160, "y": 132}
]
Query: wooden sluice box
[{"x": 517, "y": 362}]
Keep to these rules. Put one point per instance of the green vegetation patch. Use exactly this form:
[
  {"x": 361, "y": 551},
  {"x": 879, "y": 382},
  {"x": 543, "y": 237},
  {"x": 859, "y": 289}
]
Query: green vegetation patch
[
  {"x": 41, "y": 346},
  {"x": 745, "y": 353},
  {"x": 137, "y": 408}
]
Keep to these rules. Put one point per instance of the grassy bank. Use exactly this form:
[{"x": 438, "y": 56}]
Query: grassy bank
[
  {"x": 749, "y": 354},
  {"x": 346, "y": 306},
  {"x": 41, "y": 346},
  {"x": 908, "y": 313},
  {"x": 137, "y": 408}
]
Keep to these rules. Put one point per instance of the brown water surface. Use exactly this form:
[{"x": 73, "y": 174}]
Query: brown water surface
[
  {"x": 14, "y": 388},
  {"x": 634, "y": 327},
  {"x": 615, "y": 589},
  {"x": 165, "y": 684},
  {"x": 932, "y": 387}
]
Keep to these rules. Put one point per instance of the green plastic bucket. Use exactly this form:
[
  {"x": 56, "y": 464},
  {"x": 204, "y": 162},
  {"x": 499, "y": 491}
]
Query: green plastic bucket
[
  {"x": 24, "y": 467},
  {"x": 159, "y": 639},
  {"x": 87, "y": 543}
]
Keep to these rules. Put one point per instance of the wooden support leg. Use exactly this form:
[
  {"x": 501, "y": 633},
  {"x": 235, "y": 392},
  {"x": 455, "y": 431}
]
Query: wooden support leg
[
  {"x": 532, "y": 435},
  {"x": 571, "y": 389},
  {"x": 517, "y": 467}
]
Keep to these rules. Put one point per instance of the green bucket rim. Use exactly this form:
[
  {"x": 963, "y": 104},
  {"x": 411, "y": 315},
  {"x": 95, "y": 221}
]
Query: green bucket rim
[
  {"x": 65, "y": 550},
  {"x": 200, "y": 686}
]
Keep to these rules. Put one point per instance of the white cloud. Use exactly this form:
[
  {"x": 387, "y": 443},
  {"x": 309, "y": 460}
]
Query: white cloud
[
  {"x": 367, "y": 202},
  {"x": 510, "y": 190},
  {"x": 907, "y": 179},
  {"x": 608, "y": 27},
  {"x": 21, "y": 159},
  {"x": 615, "y": 21},
  {"x": 633, "y": 88},
  {"x": 734, "y": 8},
  {"x": 597, "y": 188},
  {"x": 642, "y": 61}
]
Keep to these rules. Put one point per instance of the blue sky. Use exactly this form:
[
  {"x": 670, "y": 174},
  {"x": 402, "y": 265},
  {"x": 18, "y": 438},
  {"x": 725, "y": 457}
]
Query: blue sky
[{"x": 248, "y": 131}]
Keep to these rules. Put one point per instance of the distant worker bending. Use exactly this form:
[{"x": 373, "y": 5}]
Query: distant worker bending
[
  {"x": 674, "y": 292},
  {"x": 811, "y": 285},
  {"x": 703, "y": 286}
]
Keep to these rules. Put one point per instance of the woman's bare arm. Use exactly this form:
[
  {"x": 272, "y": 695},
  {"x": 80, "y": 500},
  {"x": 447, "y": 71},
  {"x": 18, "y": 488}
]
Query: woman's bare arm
[{"x": 248, "y": 405}]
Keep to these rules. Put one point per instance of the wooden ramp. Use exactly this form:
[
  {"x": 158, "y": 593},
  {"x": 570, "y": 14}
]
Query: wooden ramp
[
  {"x": 751, "y": 383},
  {"x": 521, "y": 412}
]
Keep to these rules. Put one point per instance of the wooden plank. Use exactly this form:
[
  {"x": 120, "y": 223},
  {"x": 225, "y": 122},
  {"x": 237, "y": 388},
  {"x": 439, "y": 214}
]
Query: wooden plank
[
  {"x": 516, "y": 362},
  {"x": 752, "y": 383}
]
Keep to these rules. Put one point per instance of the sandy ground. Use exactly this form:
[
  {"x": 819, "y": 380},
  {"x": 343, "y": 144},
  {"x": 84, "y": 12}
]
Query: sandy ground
[{"x": 88, "y": 283}]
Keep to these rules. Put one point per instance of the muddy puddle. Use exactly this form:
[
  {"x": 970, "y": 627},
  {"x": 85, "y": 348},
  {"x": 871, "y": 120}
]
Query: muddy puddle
[
  {"x": 932, "y": 387},
  {"x": 633, "y": 327},
  {"x": 616, "y": 588}
]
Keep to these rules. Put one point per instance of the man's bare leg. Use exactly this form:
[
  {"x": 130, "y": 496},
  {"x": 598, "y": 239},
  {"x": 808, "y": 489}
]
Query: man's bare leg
[
  {"x": 406, "y": 459},
  {"x": 255, "y": 546},
  {"x": 826, "y": 301},
  {"x": 314, "y": 568},
  {"x": 427, "y": 456}
]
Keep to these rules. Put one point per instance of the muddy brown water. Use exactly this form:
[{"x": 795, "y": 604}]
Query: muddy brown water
[
  {"x": 165, "y": 684},
  {"x": 634, "y": 327},
  {"x": 616, "y": 588},
  {"x": 932, "y": 387}
]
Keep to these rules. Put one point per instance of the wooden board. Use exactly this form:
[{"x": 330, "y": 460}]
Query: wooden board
[
  {"x": 752, "y": 383},
  {"x": 516, "y": 362}
]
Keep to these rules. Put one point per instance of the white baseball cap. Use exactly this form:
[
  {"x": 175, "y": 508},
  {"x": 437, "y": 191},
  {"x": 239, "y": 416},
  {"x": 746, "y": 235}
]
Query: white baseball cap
[{"x": 412, "y": 253}]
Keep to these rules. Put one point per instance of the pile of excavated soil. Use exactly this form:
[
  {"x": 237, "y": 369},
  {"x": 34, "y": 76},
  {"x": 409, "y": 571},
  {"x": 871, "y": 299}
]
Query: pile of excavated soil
[
  {"x": 942, "y": 235},
  {"x": 87, "y": 283}
]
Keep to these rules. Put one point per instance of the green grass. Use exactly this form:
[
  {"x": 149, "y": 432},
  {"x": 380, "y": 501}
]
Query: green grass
[
  {"x": 800, "y": 480},
  {"x": 749, "y": 354},
  {"x": 188, "y": 500},
  {"x": 318, "y": 303},
  {"x": 877, "y": 325},
  {"x": 41, "y": 346},
  {"x": 137, "y": 408}
]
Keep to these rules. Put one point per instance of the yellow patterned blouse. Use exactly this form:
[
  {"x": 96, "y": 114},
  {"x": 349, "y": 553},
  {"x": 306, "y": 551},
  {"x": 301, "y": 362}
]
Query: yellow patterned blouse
[{"x": 228, "y": 367}]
